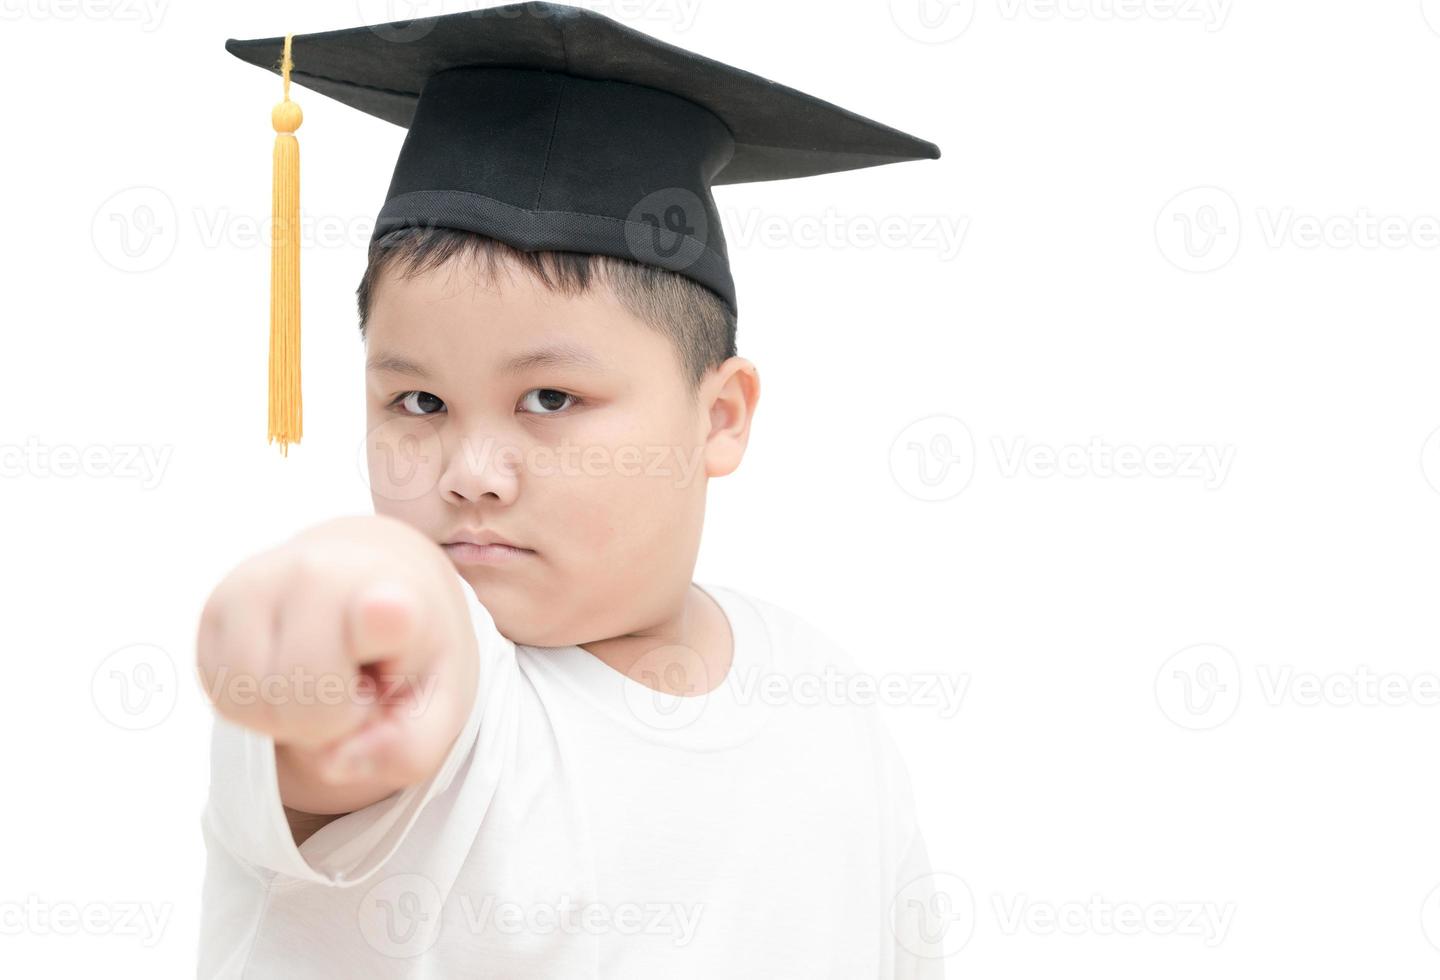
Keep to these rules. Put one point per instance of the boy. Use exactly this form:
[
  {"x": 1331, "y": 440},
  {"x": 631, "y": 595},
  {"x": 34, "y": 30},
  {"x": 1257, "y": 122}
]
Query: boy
[{"x": 496, "y": 730}]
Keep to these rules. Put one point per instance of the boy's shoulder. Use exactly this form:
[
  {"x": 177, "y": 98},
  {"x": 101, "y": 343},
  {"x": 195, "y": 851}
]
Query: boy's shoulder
[{"x": 822, "y": 669}]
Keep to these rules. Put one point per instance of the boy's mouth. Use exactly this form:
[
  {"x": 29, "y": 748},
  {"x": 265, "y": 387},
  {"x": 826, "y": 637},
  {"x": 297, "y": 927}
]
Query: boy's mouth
[
  {"x": 482, "y": 548},
  {"x": 465, "y": 553}
]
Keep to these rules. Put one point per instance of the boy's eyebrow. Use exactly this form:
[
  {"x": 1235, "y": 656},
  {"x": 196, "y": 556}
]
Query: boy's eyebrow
[
  {"x": 556, "y": 355},
  {"x": 395, "y": 363},
  {"x": 561, "y": 354}
]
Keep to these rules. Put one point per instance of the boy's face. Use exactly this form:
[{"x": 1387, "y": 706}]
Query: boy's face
[{"x": 562, "y": 424}]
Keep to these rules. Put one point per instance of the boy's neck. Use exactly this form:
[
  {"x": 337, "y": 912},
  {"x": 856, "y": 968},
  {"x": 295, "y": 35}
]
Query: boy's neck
[{"x": 688, "y": 654}]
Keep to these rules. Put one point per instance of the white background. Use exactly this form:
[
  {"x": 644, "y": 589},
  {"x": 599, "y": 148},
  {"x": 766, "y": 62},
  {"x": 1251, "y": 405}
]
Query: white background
[{"x": 1281, "y": 320}]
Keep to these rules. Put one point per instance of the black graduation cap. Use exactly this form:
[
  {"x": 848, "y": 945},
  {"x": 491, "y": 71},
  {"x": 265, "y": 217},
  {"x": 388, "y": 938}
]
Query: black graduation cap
[{"x": 553, "y": 127}]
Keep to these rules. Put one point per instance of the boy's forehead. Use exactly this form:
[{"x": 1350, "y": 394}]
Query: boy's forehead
[
  {"x": 497, "y": 289},
  {"x": 552, "y": 353},
  {"x": 503, "y": 319}
]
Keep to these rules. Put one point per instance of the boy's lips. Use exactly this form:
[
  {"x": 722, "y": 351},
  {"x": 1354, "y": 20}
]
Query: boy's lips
[
  {"x": 483, "y": 548},
  {"x": 464, "y": 553}
]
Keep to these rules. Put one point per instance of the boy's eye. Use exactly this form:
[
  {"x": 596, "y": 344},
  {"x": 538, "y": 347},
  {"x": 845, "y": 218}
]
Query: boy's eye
[
  {"x": 545, "y": 401},
  {"x": 416, "y": 403},
  {"x": 537, "y": 401}
]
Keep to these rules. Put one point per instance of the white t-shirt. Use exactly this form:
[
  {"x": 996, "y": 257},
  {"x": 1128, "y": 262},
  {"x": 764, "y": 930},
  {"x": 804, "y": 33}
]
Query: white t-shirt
[{"x": 584, "y": 825}]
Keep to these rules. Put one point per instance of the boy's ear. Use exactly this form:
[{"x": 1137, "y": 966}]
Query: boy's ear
[{"x": 729, "y": 397}]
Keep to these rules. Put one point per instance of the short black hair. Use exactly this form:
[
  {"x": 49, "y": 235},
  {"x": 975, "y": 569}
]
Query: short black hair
[{"x": 699, "y": 324}]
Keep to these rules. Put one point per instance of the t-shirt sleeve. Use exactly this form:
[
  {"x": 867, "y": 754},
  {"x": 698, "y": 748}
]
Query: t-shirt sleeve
[
  {"x": 921, "y": 916},
  {"x": 245, "y": 815},
  {"x": 920, "y": 919}
]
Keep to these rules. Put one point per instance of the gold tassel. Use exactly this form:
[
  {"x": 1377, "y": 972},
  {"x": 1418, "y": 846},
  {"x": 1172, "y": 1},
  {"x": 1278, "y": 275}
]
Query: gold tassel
[{"x": 285, "y": 405}]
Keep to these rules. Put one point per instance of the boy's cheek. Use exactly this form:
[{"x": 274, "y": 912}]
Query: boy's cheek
[
  {"x": 404, "y": 461},
  {"x": 408, "y": 512}
]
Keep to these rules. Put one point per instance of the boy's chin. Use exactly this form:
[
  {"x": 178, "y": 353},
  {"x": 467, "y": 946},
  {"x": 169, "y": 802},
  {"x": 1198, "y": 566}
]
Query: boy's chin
[{"x": 516, "y": 617}]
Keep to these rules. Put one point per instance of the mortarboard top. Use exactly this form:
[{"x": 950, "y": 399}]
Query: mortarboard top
[{"x": 553, "y": 127}]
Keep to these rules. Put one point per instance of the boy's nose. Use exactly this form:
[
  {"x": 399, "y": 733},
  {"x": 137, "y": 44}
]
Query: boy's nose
[{"x": 476, "y": 465}]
